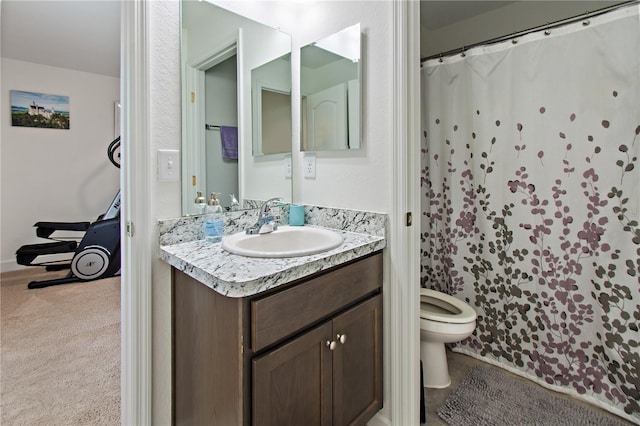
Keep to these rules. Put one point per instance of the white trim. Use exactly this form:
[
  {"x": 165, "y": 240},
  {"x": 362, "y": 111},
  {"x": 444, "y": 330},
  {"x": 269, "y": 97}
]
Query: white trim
[
  {"x": 117, "y": 108},
  {"x": 135, "y": 398},
  {"x": 244, "y": 132},
  {"x": 256, "y": 115},
  {"x": 379, "y": 420},
  {"x": 215, "y": 56},
  {"x": 404, "y": 241},
  {"x": 193, "y": 159}
]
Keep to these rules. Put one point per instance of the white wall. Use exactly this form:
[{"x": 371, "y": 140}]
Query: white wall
[
  {"x": 356, "y": 179},
  {"x": 326, "y": 76},
  {"x": 54, "y": 174},
  {"x": 513, "y": 17},
  {"x": 165, "y": 133}
]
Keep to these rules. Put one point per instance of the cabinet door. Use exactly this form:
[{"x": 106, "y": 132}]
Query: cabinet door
[
  {"x": 357, "y": 363},
  {"x": 292, "y": 384}
]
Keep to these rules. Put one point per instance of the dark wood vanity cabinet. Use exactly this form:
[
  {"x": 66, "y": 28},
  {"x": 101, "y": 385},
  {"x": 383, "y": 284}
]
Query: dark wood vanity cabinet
[
  {"x": 327, "y": 376},
  {"x": 307, "y": 354}
]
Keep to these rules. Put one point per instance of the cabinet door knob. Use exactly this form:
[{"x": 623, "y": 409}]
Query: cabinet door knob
[
  {"x": 342, "y": 338},
  {"x": 331, "y": 344}
]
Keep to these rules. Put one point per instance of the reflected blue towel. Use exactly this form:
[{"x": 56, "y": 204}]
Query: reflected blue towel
[{"x": 229, "y": 136}]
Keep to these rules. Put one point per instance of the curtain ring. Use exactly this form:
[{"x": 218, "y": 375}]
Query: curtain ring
[
  {"x": 463, "y": 54},
  {"x": 440, "y": 59},
  {"x": 585, "y": 23},
  {"x": 547, "y": 32}
]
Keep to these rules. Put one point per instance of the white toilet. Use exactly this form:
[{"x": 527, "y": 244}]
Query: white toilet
[{"x": 443, "y": 319}]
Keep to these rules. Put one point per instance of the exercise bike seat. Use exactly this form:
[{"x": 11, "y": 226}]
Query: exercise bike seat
[{"x": 45, "y": 229}]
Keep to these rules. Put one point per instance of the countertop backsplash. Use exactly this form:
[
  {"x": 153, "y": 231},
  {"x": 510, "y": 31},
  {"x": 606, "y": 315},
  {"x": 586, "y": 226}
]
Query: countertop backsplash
[{"x": 190, "y": 228}]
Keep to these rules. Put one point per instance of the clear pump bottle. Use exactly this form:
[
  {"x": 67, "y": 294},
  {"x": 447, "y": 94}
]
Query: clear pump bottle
[
  {"x": 201, "y": 204},
  {"x": 214, "y": 220}
]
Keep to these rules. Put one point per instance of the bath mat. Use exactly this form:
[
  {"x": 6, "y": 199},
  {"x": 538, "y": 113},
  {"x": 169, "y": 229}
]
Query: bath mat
[{"x": 489, "y": 397}]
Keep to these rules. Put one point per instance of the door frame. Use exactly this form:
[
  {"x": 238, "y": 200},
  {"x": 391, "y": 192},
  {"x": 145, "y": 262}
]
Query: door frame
[
  {"x": 137, "y": 230},
  {"x": 404, "y": 243}
]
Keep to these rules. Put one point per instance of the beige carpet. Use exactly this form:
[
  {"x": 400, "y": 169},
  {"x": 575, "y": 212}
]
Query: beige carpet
[{"x": 59, "y": 351}]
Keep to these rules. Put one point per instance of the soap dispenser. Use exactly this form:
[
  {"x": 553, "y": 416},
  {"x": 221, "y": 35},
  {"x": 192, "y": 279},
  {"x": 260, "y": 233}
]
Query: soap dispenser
[
  {"x": 214, "y": 220},
  {"x": 201, "y": 203}
]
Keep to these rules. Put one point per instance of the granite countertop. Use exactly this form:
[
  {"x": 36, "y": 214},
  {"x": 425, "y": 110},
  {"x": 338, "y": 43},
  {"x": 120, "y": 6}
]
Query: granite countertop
[{"x": 239, "y": 276}]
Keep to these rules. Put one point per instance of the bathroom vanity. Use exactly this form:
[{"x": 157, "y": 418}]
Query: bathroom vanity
[
  {"x": 294, "y": 341},
  {"x": 309, "y": 353}
]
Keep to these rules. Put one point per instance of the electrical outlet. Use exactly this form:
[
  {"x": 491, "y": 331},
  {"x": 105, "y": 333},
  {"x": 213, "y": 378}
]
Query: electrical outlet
[
  {"x": 168, "y": 165},
  {"x": 309, "y": 163},
  {"x": 287, "y": 166}
]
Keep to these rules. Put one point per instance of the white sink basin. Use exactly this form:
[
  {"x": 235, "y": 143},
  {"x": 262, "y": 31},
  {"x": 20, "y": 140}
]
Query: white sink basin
[{"x": 286, "y": 241}]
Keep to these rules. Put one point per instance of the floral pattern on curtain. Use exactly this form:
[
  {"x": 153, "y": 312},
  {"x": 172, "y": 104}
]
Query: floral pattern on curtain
[{"x": 531, "y": 202}]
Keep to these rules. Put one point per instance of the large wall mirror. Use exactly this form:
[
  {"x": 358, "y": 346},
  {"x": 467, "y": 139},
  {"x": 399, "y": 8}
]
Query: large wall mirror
[
  {"x": 330, "y": 79},
  {"x": 224, "y": 55}
]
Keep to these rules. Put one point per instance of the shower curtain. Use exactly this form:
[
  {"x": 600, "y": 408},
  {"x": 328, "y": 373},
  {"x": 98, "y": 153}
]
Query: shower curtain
[{"x": 531, "y": 196}]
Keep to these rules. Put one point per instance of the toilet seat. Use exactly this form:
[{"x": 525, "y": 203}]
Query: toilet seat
[{"x": 453, "y": 311}]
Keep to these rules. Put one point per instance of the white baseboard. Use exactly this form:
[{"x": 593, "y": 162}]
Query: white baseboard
[
  {"x": 379, "y": 420},
  {"x": 10, "y": 265}
]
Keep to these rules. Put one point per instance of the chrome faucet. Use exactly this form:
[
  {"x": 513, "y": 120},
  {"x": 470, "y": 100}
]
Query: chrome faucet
[
  {"x": 234, "y": 202},
  {"x": 267, "y": 222}
]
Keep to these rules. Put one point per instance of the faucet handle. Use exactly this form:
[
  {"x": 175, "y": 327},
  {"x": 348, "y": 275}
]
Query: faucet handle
[
  {"x": 267, "y": 222},
  {"x": 271, "y": 201},
  {"x": 266, "y": 206}
]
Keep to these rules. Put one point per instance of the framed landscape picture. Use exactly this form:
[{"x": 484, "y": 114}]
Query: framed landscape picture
[{"x": 29, "y": 109}]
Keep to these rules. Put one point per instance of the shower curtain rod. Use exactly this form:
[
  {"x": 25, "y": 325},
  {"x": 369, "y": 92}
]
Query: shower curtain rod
[{"x": 547, "y": 26}]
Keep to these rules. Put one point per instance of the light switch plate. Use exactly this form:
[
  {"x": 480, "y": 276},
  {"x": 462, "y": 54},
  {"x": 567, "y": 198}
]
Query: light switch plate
[
  {"x": 309, "y": 164},
  {"x": 168, "y": 165},
  {"x": 287, "y": 166}
]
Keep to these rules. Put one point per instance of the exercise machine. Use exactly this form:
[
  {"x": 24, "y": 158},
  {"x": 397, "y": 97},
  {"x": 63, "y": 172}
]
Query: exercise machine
[{"x": 95, "y": 256}]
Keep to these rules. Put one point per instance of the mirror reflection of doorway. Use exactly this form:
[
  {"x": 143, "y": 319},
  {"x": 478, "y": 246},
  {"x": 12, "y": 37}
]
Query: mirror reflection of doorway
[
  {"x": 276, "y": 122},
  {"x": 327, "y": 119},
  {"x": 221, "y": 109}
]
